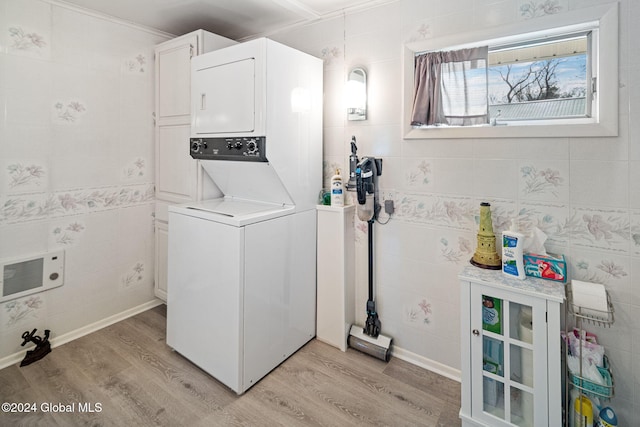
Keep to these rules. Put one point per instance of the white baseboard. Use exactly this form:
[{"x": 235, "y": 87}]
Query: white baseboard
[
  {"x": 85, "y": 330},
  {"x": 428, "y": 364}
]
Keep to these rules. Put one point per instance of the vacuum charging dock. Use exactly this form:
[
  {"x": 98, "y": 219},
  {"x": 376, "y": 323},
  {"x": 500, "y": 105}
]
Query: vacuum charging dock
[{"x": 378, "y": 347}]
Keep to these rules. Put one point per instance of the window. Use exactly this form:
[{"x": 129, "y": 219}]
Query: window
[
  {"x": 541, "y": 80},
  {"x": 546, "y": 77}
]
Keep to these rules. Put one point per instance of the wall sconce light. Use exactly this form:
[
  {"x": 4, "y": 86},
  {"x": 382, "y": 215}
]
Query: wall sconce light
[{"x": 356, "y": 95}]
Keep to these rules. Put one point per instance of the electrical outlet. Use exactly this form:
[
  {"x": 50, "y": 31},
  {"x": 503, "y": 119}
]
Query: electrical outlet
[{"x": 387, "y": 194}]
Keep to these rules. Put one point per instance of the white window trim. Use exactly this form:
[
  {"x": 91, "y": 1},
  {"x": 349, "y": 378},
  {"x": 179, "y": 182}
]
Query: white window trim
[{"x": 605, "y": 120}]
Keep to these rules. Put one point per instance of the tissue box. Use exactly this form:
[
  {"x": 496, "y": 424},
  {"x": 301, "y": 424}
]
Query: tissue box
[{"x": 550, "y": 266}]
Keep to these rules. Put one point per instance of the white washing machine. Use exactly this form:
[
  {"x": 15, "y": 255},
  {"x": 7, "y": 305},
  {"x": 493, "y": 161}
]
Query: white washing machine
[
  {"x": 243, "y": 301},
  {"x": 242, "y": 267}
]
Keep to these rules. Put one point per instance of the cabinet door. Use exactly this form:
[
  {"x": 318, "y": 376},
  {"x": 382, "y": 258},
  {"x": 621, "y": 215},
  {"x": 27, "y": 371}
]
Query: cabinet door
[
  {"x": 173, "y": 79},
  {"x": 162, "y": 241},
  {"x": 176, "y": 170},
  {"x": 509, "y": 358}
]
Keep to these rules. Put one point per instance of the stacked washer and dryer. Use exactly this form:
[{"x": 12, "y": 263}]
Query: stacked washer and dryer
[{"x": 242, "y": 265}]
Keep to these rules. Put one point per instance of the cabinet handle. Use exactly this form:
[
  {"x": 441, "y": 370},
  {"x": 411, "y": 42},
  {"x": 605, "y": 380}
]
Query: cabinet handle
[
  {"x": 475, "y": 332},
  {"x": 203, "y": 101}
]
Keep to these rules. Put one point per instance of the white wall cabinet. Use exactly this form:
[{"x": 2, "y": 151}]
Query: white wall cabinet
[
  {"x": 177, "y": 171},
  {"x": 511, "y": 350},
  {"x": 173, "y": 59},
  {"x": 178, "y": 177}
]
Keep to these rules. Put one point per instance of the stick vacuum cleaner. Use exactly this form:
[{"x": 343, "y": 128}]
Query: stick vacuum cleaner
[{"x": 368, "y": 339}]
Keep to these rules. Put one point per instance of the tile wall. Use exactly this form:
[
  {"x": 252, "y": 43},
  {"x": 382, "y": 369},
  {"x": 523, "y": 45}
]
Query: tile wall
[
  {"x": 76, "y": 163},
  {"x": 583, "y": 192}
]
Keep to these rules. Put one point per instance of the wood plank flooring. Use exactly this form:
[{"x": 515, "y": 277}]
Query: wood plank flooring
[{"x": 133, "y": 376}]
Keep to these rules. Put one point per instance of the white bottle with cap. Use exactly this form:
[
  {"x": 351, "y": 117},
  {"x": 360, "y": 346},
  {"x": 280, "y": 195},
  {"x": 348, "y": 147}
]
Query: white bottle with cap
[
  {"x": 337, "y": 191},
  {"x": 512, "y": 256}
]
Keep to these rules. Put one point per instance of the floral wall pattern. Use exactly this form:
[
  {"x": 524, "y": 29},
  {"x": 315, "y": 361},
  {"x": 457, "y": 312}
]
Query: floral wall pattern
[
  {"x": 74, "y": 168},
  {"x": 21, "y": 175},
  {"x": 28, "y": 43},
  {"x": 16, "y": 311},
  {"x": 39, "y": 206},
  {"x": 138, "y": 64},
  {"x": 134, "y": 275},
  {"x": 536, "y": 8},
  {"x": 66, "y": 234},
  {"x": 68, "y": 111},
  {"x": 541, "y": 182}
]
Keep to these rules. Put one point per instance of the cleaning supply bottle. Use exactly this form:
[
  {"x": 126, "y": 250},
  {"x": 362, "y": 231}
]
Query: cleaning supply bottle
[
  {"x": 607, "y": 418},
  {"x": 512, "y": 257},
  {"x": 337, "y": 191},
  {"x": 582, "y": 412}
]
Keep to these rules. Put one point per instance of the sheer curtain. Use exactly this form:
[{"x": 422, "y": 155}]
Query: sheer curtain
[{"x": 451, "y": 88}]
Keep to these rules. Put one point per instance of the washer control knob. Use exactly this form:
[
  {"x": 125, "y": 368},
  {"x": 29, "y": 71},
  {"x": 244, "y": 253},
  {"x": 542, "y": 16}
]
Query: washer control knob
[
  {"x": 251, "y": 146},
  {"x": 237, "y": 145},
  {"x": 196, "y": 144}
]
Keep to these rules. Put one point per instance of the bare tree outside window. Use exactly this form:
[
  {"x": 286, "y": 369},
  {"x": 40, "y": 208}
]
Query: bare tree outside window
[
  {"x": 530, "y": 90},
  {"x": 535, "y": 82}
]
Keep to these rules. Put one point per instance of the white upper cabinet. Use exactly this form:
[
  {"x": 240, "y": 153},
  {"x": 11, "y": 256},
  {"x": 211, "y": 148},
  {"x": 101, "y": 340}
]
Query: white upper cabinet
[{"x": 173, "y": 72}]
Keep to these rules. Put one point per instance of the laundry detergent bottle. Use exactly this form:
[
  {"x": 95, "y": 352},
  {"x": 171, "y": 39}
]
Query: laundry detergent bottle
[
  {"x": 337, "y": 190},
  {"x": 512, "y": 256}
]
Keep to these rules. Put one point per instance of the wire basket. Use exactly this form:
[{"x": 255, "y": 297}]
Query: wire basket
[
  {"x": 592, "y": 389},
  {"x": 597, "y": 317}
]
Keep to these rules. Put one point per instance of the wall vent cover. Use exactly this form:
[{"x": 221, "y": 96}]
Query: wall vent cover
[{"x": 28, "y": 275}]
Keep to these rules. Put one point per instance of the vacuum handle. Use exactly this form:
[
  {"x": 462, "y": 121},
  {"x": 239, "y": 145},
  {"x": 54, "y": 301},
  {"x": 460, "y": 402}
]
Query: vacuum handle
[{"x": 361, "y": 188}]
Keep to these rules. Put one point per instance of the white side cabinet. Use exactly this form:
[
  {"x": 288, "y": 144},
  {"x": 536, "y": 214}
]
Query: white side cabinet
[
  {"x": 511, "y": 350},
  {"x": 336, "y": 274},
  {"x": 178, "y": 177}
]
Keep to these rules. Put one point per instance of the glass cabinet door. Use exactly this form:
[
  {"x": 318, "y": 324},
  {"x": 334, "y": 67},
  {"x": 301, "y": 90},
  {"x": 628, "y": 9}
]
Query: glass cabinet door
[{"x": 508, "y": 349}]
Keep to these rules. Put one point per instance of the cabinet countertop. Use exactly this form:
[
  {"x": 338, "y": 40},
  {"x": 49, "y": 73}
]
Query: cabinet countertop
[{"x": 540, "y": 288}]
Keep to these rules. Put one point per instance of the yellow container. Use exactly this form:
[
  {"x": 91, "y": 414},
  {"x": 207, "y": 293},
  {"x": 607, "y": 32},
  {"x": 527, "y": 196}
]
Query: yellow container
[{"x": 583, "y": 412}]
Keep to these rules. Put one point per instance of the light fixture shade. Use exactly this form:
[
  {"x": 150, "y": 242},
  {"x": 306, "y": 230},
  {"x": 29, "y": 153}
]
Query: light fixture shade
[{"x": 356, "y": 94}]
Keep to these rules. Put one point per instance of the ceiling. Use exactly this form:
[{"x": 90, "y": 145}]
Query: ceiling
[{"x": 235, "y": 19}]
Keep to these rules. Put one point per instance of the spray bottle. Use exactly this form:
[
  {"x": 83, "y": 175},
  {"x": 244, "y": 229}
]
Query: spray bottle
[
  {"x": 337, "y": 195},
  {"x": 512, "y": 256}
]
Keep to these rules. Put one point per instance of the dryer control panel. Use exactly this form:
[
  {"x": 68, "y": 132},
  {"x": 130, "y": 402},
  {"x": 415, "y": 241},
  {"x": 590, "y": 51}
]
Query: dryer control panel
[{"x": 248, "y": 149}]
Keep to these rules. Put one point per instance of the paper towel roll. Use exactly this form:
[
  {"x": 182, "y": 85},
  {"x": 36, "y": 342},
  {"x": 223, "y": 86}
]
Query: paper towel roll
[{"x": 589, "y": 298}]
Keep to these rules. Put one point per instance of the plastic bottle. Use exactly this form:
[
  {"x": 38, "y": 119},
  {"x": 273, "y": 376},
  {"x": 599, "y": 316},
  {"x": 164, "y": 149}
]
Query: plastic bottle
[
  {"x": 583, "y": 412},
  {"x": 607, "y": 418},
  {"x": 337, "y": 191},
  {"x": 512, "y": 259}
]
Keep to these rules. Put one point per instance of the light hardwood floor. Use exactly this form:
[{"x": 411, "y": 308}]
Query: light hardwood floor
[{"x": 128, "y": 369}]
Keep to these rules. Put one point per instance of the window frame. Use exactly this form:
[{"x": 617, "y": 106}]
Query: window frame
[{"x": 602, "y": 20}]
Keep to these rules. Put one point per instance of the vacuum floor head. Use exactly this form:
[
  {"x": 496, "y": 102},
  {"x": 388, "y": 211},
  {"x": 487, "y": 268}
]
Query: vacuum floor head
[{"x": 379, "y": 347}]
